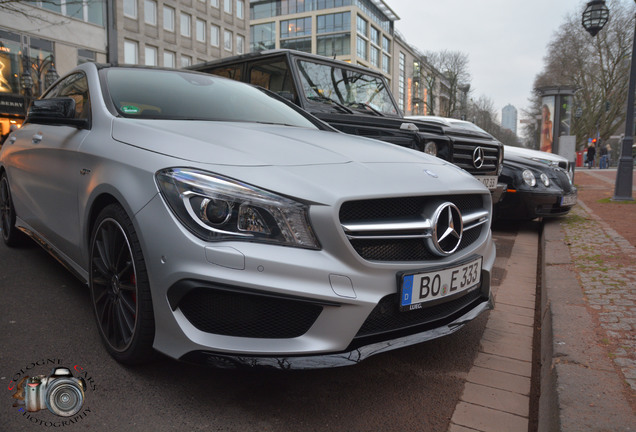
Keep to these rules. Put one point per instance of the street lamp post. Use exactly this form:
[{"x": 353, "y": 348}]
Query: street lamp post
[
  {"x": 595, "y": 17},
  {"x": 624, "y": 176},
  {"x": 26, "y": 80}
]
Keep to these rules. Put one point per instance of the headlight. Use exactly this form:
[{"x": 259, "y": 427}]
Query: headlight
[
  {"x": 217, "y": 208},
  {"x": 529, "y": 178},
  {"x": 430, "y": 147},
  {"x": 545, "y": 180}
]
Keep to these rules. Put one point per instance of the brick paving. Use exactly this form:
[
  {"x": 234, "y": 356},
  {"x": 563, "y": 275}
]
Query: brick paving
[{"x": 605, "y": 264}]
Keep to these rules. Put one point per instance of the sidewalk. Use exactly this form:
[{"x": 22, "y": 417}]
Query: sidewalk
[
  {"x": 586, "y": 363},
  {"x": 589, "y": 313}
]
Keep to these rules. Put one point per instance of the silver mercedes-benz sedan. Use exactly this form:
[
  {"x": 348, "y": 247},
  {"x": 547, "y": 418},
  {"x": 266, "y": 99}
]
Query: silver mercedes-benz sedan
[{"x": 217, "y": 223}]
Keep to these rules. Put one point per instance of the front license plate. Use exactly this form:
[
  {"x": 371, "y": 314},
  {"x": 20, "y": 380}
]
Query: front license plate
[
  {"x": 568, "y": 200},
  {"x": 489, "y": 181},
  {"x": 419, "y": 288}
]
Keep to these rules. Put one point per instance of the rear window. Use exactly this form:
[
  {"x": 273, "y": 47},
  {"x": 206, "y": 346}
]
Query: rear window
[{"x": 180, "y": 95}]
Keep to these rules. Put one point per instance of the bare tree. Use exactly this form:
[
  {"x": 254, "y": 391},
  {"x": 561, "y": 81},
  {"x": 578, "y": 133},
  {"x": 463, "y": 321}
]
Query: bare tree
[
  {"x": 454, "y": 66},
  {"x": 482, "y": 112},
  {"x": 598, "y": 67}
]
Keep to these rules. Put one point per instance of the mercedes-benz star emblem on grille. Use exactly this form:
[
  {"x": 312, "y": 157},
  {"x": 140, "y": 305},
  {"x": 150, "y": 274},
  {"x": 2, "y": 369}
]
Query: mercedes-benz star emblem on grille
[
  {"x": 447, "y": 230},
  {"x": 478, "y": 157}
]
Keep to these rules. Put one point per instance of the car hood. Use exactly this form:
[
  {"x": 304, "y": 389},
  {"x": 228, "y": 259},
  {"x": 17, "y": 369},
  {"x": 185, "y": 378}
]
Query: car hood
[
  {"x": 520, "y": 153},
  {"x": 316, "y": 166},
  {"x": 251, "y": 144}
]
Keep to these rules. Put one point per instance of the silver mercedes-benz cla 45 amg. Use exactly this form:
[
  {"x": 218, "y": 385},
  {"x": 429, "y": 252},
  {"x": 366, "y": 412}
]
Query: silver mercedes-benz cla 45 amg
[{"x": 215, "y": 222}]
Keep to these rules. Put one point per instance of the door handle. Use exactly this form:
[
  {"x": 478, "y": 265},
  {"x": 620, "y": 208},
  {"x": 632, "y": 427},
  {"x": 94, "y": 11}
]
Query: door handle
[{"x": 36, "y": 138}]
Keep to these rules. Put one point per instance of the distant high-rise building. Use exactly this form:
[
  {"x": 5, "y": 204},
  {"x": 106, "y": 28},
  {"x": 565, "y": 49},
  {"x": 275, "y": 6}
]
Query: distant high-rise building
[{"x": 509, "y": 118}]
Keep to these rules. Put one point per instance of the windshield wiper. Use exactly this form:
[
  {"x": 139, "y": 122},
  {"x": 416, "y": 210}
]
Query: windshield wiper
[
  {"x": 325, "y": 99},
  {"x": 366, "y": 106}
]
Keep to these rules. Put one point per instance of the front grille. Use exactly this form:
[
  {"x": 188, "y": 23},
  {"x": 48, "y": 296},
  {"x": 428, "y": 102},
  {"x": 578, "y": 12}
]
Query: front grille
[
  {"x": 463, "y": 157},
  {"x": 389, "y": 247},
  {"x": 386, "y": 316},
  {"x": 247, "y": 315},
  {"x": 396, "y": 208}
]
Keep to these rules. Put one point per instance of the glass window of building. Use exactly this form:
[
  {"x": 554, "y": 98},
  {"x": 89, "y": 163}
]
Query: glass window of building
[
  {"x": 214, "y": 35},
  {"x": 386, "y": 63},
  {"x": 333, "y": 45},
  {"x": 295, "y": 28},
  {"x": 227, "y": 6},
  {"x": 386, "y": 45},
  {"x": 263, "y": 36},
  {"x": 150, "y": 54},
  {"x": 332, "y": 23},
  {"x": 168, "y": 18},
  {"x": 186, "y": 61},
  {"x": 200, "y": 29},
  {"x": 401, "y": 79},
  {"x": 130, "y": 8},
  {"x": 240, "y": 9},
  {"x": 150, "y": 12},
  {"x": 74, "y": 9},
  {"x": 361, "y": 47},
  {"x": 54, "y": 6},
  {"x": 240, "y": 44},
  {"x": 374, "y": 35},
  {"x": 131, "y": 55},
  {"x": 227, "y": 40},
  {"x": 299, "y": 44},
  {"x": 214, "y": 3},
  {"x": 374, "y": 56},
  {"x": 95, "y": 12},
  {"x": 169, "y": 59},
  {"x": 185, "y": 25},
  {"x": 361, "y": 26}
]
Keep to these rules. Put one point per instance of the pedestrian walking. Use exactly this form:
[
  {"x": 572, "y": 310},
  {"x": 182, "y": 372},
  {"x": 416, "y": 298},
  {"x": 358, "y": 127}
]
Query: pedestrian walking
[
  {"x": 591, "y": 152},
  {"x": 602, "y": 164}
]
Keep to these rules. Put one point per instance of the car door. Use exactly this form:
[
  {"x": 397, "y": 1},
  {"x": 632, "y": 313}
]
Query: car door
[{"x": 44, "y": 172}]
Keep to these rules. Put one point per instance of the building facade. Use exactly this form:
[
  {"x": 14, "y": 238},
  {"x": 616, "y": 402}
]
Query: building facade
[
  {"x": 416, "y": 85},
  {"x": 509, "y": 118},
  {"x": 355, "y": 31},
  {"x": 41, "y": 40},
  {"x": 38, "y": 39},
  {"x": 179, "y": 33}
]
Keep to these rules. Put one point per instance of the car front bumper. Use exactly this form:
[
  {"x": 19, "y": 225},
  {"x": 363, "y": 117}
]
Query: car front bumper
[{"x": 286, "y": 307}]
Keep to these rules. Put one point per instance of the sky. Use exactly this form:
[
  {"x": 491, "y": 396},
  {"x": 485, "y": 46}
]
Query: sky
[{"x": 505, "y": 40}]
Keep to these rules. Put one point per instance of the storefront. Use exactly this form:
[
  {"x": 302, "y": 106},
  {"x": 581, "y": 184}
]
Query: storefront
[{"x": 26, "y": 68}]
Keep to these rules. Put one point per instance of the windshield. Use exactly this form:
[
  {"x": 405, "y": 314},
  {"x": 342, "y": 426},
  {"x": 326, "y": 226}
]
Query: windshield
[
  {"x": 329, "y": 84},
  {"x": 179, "y": 95}
]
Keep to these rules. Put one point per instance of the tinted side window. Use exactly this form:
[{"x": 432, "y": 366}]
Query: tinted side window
[
  {"x": 275, "y": 77},
  {"x": 74, "y": 86},
  {"x": 232, "y": 72}
]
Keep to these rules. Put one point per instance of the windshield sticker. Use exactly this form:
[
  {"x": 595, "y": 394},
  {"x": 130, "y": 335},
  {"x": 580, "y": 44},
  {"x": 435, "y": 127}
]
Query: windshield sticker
[{"x": 130, "y": 109}]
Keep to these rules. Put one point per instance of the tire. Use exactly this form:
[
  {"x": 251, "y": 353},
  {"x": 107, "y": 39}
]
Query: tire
[
  {"x": 120, "y": 290},
  {"x": 11, "y": 235}
]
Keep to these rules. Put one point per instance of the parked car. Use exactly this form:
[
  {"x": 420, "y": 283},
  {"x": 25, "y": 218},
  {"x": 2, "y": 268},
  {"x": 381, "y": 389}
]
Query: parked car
[
  {"x": 215, "y": 223},
  {"x": 357, "y": 100},
  {"x": 538, "y": 184},
  {"x": 462, "y": 131}
]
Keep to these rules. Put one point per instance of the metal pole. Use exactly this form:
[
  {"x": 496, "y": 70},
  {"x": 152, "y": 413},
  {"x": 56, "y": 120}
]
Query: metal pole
[{"x": 625, "y": 173}]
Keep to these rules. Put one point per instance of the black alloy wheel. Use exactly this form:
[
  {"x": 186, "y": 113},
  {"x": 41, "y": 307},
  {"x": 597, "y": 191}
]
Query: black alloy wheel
[
  {"x": 10, "y": 234},
  {"x": 120, "y": 289}
]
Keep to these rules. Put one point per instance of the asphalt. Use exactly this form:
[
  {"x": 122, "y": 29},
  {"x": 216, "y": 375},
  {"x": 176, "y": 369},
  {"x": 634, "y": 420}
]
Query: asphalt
[{"x": 559, "y": 349}]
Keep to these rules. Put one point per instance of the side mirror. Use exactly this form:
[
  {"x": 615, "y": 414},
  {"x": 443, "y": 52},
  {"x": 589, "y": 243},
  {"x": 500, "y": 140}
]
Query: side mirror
[{"x": 55, "y": 111}]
